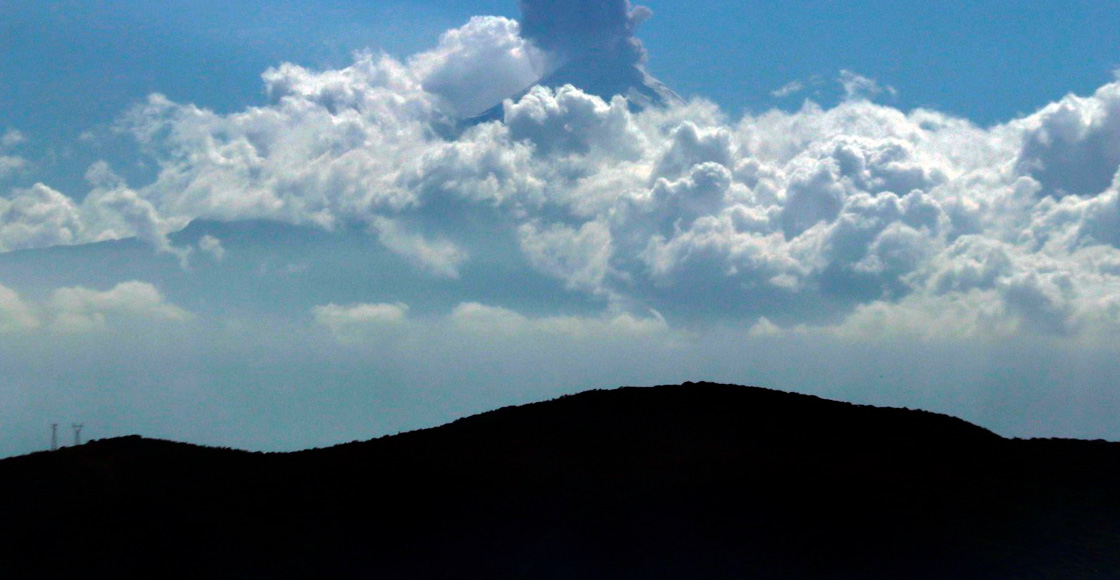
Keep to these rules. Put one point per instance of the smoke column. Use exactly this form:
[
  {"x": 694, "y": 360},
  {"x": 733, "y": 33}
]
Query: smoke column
[{"x": 574, "y": 28}]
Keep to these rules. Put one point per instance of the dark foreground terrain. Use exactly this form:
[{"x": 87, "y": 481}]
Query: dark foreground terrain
[{"x": 681, "y": 482}]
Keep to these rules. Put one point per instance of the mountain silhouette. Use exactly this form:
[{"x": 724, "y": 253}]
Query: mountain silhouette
[{"x": 698, "y": 481}]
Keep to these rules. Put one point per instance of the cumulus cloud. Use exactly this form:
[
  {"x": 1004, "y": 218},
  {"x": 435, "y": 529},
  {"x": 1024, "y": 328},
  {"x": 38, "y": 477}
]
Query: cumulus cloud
[
  {"x": 38, "y": 217},
  {"x": 568, "y": 120},
  {"x": 114, "y": 211},
  {"x": 80, "y": 310},
  {"x": 479, "y": 64},
  {"x": 858, "y": 218},
  {"x": 1073, "y": 146},
  {"x": 575, "y": 28}
]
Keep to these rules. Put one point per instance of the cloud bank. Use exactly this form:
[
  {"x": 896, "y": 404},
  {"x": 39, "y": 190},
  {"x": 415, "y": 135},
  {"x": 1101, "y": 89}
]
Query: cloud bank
[
  {"x": 78, "y": 310},
  {"x": 856, "y": 220}
]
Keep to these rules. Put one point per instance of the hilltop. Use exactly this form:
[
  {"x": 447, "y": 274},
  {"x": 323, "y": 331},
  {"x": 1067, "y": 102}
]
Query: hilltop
[{"x": 688, "y": 481}]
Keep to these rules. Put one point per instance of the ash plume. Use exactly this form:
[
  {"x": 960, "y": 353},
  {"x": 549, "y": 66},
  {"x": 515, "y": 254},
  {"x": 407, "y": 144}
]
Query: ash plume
[{"x": 576, "y": 28}]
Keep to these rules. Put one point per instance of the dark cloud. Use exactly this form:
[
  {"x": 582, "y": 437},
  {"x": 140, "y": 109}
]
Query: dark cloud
[{"x": 575, "y": 28}]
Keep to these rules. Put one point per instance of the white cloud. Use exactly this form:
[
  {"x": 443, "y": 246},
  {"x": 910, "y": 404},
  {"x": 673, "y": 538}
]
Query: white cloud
[
  {"x": 439, "y": 257},
  {"x": 38, "y": 217},
  {"x": 471, "y": 322},
  {"x": 790, "y": 88},
  {"x": 479, "y": 64},
  {"x": 690, "y": 145},
  {"x": 579, "y": 257},
  {"x": 11, "y": 165},
  {"x": 494, "y": 321},
  {"x": 800, "y": 217},
  {"x": 353, "y": 323},
  {"x": 113, "y": 211},
  {"x": 212, "y": 247},
  {"x": 860, "y": 87},
  {"x": 810, "y": 85},
  {"x": 569, "y": 121},
  {"x": 79, "y": 310},
  {"x": 1073, "y": 146},
  {"x": 974, "y": 315},
  {"x": 11, "y": 138},
  {"x": 15, "y": 314}
]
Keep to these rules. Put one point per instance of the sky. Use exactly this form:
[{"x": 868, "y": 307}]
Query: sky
[{"x": 271, "y": 227}]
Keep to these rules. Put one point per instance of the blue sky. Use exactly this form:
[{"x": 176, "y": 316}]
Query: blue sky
[
  {"x": 233, "y": 226},
  {"x": 73, "y": 66},
  {"x": 77, "y": 64}
]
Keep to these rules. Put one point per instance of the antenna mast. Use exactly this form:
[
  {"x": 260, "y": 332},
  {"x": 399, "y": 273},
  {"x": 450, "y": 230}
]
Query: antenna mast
[
  {"x": 54, "y": 436},
  {"x": 77, "y": 433}
]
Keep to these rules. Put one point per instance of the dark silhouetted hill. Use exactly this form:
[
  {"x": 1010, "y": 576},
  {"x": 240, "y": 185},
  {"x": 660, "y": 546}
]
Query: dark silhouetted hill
[{"x": 697, "y": 481}]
